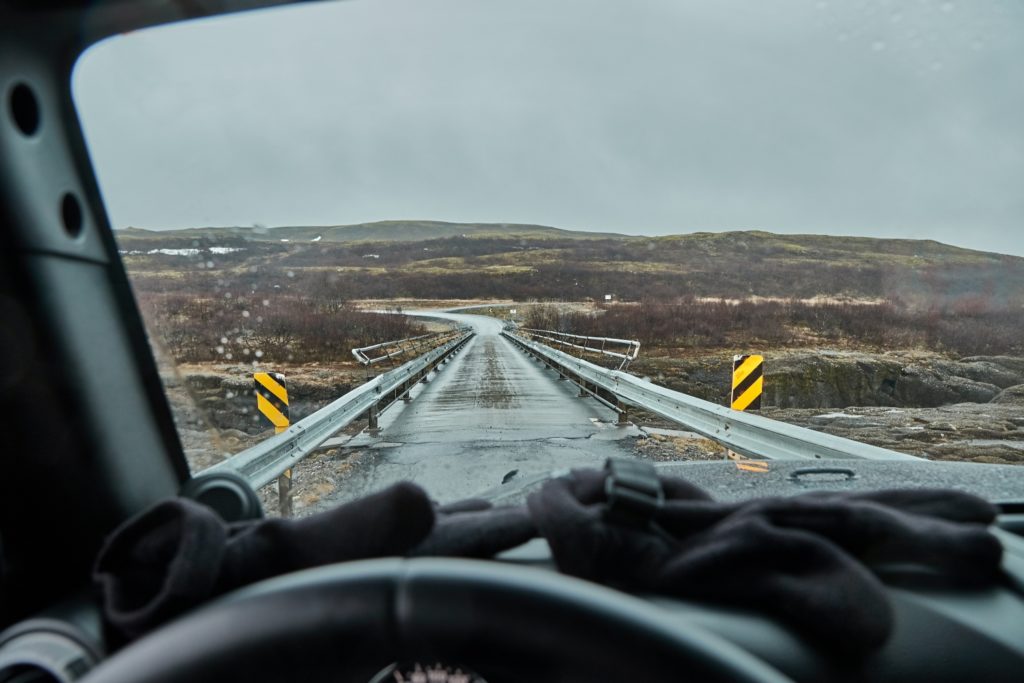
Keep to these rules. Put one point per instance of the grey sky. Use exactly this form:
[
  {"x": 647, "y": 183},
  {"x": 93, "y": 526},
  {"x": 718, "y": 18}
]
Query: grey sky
[{"x": 871, "y": 117}]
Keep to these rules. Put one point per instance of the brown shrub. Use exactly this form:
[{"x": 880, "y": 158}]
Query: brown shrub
[{"x": 964, "y": 329}]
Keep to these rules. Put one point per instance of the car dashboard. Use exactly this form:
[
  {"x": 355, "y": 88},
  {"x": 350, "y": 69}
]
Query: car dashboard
[{"x": 942, "y": 633}]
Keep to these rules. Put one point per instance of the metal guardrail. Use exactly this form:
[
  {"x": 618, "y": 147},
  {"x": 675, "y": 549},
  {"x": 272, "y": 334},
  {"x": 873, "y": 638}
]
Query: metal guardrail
[
  {"x": 750, "y": 435},
  {"x": 560, "y": 338},
  {"x": 263, "y": 463}
]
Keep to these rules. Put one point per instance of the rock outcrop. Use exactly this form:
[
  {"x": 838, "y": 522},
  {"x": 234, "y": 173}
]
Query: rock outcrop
[
  {"x": 971, "y": 432},
  {"x": 1011, "y": 395}
]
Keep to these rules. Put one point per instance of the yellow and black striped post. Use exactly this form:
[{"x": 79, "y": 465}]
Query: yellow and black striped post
[
  {"x": 272, "y": 399},
  {"x": 747, "y": 382},
  {"x": 272, "y": 403}
]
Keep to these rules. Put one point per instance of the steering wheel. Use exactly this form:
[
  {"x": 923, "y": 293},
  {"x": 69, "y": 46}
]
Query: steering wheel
[{"x": 347, "y": 622}]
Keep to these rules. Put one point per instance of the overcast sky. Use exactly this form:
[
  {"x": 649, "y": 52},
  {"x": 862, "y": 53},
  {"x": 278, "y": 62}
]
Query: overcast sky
[{"x": 865, "y": 117}]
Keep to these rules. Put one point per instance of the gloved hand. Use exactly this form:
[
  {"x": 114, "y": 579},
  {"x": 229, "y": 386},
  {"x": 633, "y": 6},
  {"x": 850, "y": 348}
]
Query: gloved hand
[{"x": 179, "y": 554}]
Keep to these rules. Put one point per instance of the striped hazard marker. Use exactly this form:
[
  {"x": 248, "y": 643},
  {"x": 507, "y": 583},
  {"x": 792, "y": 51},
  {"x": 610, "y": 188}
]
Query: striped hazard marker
[
  {"x": 272, "y": 399},
  {"x": 747, "y": 386},
  {"x": 747, "y": 382},
  {"x": 272, "y": 402}
]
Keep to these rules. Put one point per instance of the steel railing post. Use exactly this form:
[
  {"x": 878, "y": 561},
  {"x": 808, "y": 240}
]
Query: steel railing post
[
  {"x": 284, "y": 493},
  {"x": 371, "y": 419}
]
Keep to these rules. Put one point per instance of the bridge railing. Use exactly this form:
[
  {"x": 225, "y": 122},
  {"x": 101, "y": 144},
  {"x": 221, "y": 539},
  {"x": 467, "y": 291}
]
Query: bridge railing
[
  {"x": 266, "y": 461},
  {"x": 389, "y": 350},
  {"x": 626, "y": 350},
  {"x": 747, "y": 434}
]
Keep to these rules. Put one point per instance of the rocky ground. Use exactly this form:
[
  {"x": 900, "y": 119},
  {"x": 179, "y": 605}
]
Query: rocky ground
[
  {"x": 672, "y": 444},
  {"x": 971, "y": 432},
  {"x": 976, "y": 432}
]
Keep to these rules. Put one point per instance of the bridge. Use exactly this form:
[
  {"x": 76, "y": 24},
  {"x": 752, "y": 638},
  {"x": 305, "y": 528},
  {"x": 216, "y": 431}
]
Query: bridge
[
  {"x": 492, "y": 410},
  {"x": 494, "y": 403}
]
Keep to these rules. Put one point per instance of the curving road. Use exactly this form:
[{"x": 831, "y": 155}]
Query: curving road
[{"x": 489, "y": 411}]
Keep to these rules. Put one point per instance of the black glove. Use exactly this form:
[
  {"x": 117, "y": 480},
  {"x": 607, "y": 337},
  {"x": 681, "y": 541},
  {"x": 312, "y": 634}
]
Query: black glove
[
  {"x": 805, "y": 560},
  {"x": 180, "y": 554}
]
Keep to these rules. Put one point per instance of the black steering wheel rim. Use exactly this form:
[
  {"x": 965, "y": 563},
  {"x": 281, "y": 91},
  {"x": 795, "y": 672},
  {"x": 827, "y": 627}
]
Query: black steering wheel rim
[{"x": 509, "y": 623}]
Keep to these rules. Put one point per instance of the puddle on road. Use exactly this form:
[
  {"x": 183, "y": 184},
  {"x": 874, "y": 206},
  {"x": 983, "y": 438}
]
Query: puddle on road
[
  {"x": 480, "y": 381},
  {"x": 495, "y": 391}
]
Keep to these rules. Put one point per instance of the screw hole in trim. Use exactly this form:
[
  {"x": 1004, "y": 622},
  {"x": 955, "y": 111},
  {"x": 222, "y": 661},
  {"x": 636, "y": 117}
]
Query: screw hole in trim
[
  {"x": 24, "y": 109},
  {"x": 71, "y": 215}
]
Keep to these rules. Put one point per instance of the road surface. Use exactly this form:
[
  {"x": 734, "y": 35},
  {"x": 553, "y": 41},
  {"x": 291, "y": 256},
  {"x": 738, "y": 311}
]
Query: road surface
[{"x": 490, "y": 411}]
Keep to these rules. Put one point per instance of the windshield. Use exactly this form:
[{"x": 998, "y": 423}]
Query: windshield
[{"x": 469, "y": 244}]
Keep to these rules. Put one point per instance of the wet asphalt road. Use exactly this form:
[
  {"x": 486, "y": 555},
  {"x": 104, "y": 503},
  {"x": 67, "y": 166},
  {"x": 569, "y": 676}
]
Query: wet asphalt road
[{"x": 489, "y": 411}]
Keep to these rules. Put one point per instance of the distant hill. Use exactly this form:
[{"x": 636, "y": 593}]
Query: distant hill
[
  {"x": 440, "y": 260},
  {"x": 379, "y": 231}
]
